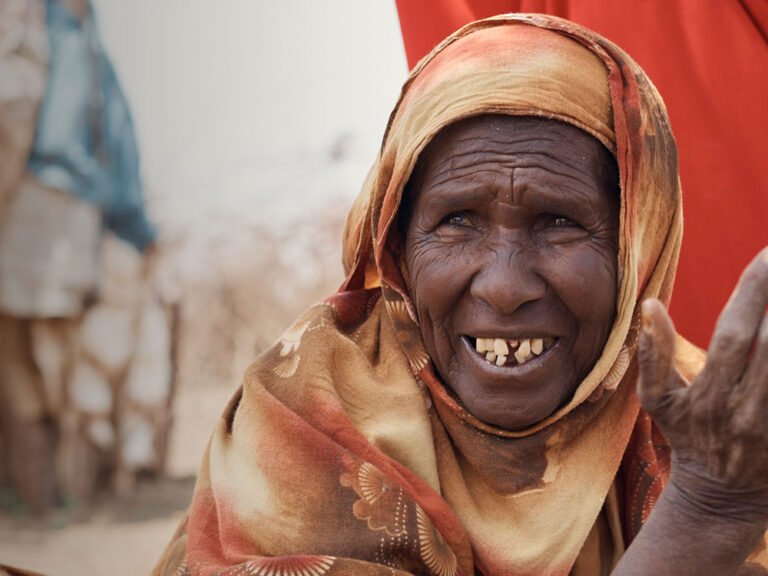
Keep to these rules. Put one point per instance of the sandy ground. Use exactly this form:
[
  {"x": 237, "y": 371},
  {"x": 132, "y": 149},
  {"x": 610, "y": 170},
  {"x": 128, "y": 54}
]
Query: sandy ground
[
  {"x": 121, "y": 537},
  {"x": 98, "y": 547}
]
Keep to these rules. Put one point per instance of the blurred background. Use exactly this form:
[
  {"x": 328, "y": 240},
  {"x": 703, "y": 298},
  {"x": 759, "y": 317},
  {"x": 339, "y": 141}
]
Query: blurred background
[{"x": 255, "y": 125}]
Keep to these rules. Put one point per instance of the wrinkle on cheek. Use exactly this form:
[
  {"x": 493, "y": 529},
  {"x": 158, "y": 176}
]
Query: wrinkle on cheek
[
  {"x": 432, "y": 264},
  {"x": 422, "y": 258},
  {"x": 605, "y": 255},
  {"x": 419, "y": 250},
  {"x": 608, "y": 261},
  {"x": 440, "y": 257},
  {"x": 608, "y": 233},
  {"x": 604, "y": 274}
]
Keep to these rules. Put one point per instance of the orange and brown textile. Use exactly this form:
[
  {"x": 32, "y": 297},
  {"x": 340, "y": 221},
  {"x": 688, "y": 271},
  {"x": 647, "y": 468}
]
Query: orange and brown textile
[{"x": 343, "y": 452}]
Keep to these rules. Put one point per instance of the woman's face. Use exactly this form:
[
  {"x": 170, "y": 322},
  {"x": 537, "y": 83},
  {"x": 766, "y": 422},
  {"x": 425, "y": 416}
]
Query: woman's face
[{"x": 511, "y": 243}]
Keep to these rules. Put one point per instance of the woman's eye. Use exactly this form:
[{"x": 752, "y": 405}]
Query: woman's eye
[
  {"x": 562, "y": 222},
  {"x": 456, "y": 220},
  {"x": 558, "y": 228}
]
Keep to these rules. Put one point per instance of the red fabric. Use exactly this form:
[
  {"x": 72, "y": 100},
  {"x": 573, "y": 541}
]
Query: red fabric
[{"x": 710, "y": 63}]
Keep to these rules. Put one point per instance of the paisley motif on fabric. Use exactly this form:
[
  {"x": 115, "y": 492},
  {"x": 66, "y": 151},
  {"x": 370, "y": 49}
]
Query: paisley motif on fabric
[
  {"x": 288, "y": 366},
  {"x": 614, "y": 376},
  {"x": 435, "y": 552},
  {"x": 289, "y": 346},
  {"x": 617, "y": 371},
  {"x": 382, "y": 503},
  {"x": 399, "y": 312},
  {"x": 291, "y": 339},
  {"x": 414, "y": 350},
  {"x": 407, "y": 331}
]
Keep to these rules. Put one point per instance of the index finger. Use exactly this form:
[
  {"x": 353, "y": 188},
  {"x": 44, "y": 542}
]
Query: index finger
[{"x": 740, "y": 320}]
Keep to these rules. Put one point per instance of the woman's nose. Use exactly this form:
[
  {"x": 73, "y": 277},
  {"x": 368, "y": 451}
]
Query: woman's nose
[{"x": 507, "y": 279}]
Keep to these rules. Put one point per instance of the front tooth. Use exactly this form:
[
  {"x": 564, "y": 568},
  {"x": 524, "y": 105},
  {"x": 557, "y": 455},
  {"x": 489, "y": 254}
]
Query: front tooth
[
  {"x": 491, "y": 357},
  {"x": 500, "y": 347},
  {"x": 480, "y": 345},
  {"x": 524, "y": 351},
  {"x": 501, "y": 359},
  {"x": 537, "y": 346}
]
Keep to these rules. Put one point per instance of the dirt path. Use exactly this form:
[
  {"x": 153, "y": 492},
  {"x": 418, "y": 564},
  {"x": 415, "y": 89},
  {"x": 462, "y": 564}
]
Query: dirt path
[
  {"x": 116, "y": 537},
  {"x": 121, "y": 537},
  {"x": 93, "y": 549}
]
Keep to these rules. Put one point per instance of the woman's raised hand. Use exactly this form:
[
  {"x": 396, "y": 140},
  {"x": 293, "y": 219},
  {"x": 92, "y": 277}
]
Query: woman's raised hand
[
  {"x": 717, "y": 426},
  {"x": 714, "y": 511}
]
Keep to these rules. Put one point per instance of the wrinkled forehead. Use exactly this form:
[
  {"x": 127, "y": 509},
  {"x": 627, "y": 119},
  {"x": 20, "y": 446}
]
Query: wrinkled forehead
[
  {"x": 499, "y": 137},
  {"x": 502, "y": 144}
]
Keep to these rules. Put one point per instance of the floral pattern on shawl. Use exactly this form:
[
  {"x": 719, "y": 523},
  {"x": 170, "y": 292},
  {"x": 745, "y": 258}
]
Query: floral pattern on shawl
[
  {"x": 381, "y": 502},
  {"x": 385, "y": 507},
  {"x": 435, "y": 551}
]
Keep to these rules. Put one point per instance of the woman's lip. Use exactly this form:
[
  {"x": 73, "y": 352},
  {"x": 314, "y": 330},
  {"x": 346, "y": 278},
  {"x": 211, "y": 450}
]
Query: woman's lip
[{"x": 530, "y": 365}]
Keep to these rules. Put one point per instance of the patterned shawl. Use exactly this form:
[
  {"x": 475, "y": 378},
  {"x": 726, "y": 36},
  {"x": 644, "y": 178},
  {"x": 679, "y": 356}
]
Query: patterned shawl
[{"x": 343, "y": 452}]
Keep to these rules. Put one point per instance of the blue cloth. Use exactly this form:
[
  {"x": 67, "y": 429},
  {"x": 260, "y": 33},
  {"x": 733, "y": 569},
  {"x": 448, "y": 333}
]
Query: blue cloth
[{"x": 85, "y": 142}]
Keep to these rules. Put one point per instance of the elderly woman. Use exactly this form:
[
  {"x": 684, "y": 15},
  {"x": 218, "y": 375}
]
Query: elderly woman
[{"x": 466, "y": 403}]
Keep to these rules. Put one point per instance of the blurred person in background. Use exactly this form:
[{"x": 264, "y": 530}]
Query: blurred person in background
[{"x": 73, "y": 229}]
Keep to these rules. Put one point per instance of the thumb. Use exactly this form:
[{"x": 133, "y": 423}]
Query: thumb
[{"x": 656, "y": 353}]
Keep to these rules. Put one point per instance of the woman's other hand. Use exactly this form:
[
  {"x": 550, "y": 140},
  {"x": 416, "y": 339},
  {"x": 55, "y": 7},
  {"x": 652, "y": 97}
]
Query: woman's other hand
[
  {"x": 714, "y": 510},
  {"x": 717, "y": 426}
]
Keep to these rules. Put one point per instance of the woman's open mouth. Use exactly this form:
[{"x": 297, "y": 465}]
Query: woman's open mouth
[{"x": 510, "y": 352}]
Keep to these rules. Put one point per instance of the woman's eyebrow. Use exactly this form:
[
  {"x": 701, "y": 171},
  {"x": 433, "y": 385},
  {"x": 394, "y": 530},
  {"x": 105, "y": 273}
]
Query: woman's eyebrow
[
  {"x": 553, "y": 192},
  {"x": 456, "y": 195},
  {"x": 544, "y": 199}
]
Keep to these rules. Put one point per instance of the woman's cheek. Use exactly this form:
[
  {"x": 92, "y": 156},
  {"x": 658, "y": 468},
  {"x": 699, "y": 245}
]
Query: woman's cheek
[
  {"x": 436, "y": 279},
  {"x": 584, "y": 269},
  {"x": 586, "y": 282},
  {"x": 426, "y": 268}
]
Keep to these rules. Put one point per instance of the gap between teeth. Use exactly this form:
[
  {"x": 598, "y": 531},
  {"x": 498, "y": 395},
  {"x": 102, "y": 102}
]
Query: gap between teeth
[{"x": 497, "y": 350}]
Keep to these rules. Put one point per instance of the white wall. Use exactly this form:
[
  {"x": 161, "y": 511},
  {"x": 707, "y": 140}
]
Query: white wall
[{"x": 253, "y": 111}]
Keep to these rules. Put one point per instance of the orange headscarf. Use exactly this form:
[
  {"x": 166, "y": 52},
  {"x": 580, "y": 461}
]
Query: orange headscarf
[{"x": 343, "y": 453}]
